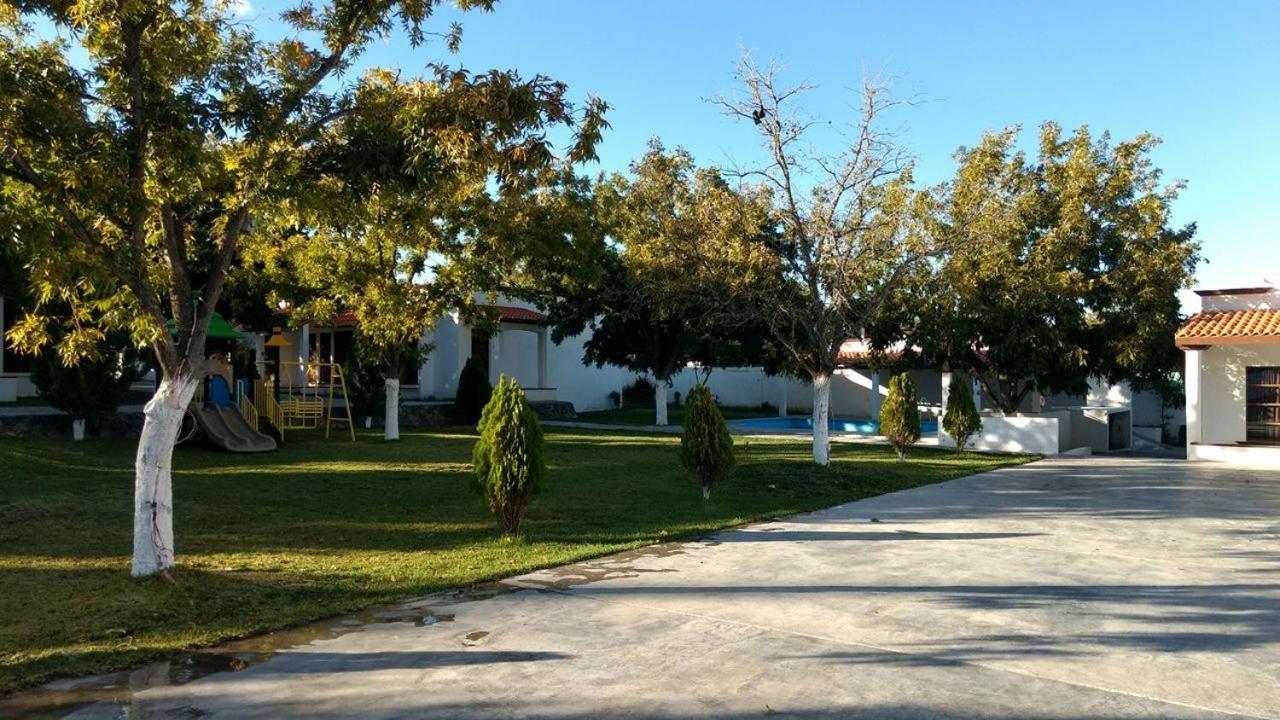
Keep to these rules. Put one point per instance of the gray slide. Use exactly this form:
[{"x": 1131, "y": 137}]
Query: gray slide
[{"x": 227, "y": 428}]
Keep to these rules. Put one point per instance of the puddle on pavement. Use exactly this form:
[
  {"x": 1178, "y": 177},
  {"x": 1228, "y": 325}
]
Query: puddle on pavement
[{"x": 113, "y": 693}]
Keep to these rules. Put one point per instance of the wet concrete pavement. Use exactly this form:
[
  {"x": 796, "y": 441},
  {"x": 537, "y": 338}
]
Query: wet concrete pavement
[{"x": 1070, "y": 588}]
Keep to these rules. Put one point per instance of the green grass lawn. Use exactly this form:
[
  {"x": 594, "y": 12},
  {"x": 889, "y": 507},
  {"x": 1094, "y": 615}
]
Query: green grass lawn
[
  {"x": 644, "y": 414},
  {"x": 320, "y": 528}
]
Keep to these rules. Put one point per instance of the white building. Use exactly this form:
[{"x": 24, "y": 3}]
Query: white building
[{"x": 1232, "y": 376}]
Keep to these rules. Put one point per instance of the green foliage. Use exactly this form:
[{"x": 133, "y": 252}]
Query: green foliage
[
  {"x": 366, "y": 380},
  {"x": 639, "y": 392},
  {"x": 706, "y": 448},
  {"x": 474, "y": 392},
  {"x": 93, "y": 387},
  {"x": 961, "y": 419},
  {"x": 404, "y": 202},
  {"x": 507, "y": 458},
  {"x": 900, "y": 414},
  {"x": 138, "y": 143},
  {"x": 656, "y": 296},
  {"x": 1065, "y": 266}
]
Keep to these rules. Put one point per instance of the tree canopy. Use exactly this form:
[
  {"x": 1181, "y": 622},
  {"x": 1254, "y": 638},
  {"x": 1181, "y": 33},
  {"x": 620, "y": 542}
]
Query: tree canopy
[
  {"x": 1064, "y": 267},
  {"x": 660, "y": 294}
]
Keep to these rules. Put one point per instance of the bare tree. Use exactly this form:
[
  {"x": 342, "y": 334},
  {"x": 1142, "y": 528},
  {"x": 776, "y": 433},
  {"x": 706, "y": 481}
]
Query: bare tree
[{"x": 844, "y": 236}]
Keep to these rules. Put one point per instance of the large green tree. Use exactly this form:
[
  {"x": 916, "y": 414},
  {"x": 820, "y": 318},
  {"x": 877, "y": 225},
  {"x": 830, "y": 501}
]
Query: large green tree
[
  {"x": 154, "y": 133},
  {"x": 1066, "y": 266},
  {"x": 659, "y": 296},
  {"x": 397, "y": 221}
]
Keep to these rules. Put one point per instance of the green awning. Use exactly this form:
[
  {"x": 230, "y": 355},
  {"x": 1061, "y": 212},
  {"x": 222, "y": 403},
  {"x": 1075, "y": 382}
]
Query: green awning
[{"x": 219, "y": 329}]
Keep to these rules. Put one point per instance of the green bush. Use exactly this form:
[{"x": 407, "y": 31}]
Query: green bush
[
  {"x": 508, "y": 457},
  {"x": 961, "y": 419},
  {"x": 366, "y": 394},
  {"x": 473, "y": 391},
  {"x": 639, "y": 393},
  {"x": 706, "y": 449},
  {"x": 91, "y": 388},
  {"x": 900, "y": 415}
]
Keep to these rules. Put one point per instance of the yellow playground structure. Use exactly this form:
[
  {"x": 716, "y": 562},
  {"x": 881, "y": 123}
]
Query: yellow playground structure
[{"x": 307, "y": 395}]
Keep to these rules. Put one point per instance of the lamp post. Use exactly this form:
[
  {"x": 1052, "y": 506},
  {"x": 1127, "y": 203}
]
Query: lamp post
[{"x": 275, "y": 342}]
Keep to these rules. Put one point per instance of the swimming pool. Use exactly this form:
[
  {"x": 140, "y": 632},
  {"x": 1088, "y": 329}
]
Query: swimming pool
[{"x": 840, "y": 425}]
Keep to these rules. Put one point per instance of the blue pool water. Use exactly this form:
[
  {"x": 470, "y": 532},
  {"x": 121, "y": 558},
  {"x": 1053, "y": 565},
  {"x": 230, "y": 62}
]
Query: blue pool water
[{"x": 842, "y": 425}]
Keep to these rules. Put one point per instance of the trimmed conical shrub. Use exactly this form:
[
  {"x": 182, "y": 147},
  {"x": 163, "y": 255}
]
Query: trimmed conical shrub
[
  {"x": 508, "y": 457},
  {"x": 473, "y": 391},
  {"x": 961, "y": 419},
  {"x": 900, "y": 416},
  {"x": 706, "y": 449}
]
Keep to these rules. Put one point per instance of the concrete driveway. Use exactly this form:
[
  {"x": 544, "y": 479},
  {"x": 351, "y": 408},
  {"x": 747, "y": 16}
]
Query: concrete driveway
[{"x": 1083, "y": 588}]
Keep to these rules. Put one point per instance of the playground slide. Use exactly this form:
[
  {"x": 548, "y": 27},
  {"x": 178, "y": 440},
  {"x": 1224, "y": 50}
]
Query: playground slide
[{"x": 227, "y": 428}]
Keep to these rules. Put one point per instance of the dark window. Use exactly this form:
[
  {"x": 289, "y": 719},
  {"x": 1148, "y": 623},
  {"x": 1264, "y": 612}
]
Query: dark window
[
  {"x": 14, "y": 361},
  {"x": 1262, "y": 404}
]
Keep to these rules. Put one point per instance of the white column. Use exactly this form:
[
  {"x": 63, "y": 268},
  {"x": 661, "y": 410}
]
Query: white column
[
  {"x": 946, "y": 392},
  {"x": 977, "y": 393},
  {"x": 495, "y": 356},
  {"x": 875, "y": 395},
  {"x": 544, "y": 342},
  {"x": 1191, "y": 380},
  {"x": 782, "y": 395}
]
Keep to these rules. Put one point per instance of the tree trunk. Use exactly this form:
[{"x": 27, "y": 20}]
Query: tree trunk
[
  {"x": 153, "y": 550},
  {"x": 821, "y": 411},
  {"x": 660, "y": 400},
  {"x": 391, "y": 420}
]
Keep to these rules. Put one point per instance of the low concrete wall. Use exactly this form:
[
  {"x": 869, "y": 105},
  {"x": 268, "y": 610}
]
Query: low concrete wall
[
  {"x": 1259, "y": 456},
  {"x": 1015, "y": 434}
]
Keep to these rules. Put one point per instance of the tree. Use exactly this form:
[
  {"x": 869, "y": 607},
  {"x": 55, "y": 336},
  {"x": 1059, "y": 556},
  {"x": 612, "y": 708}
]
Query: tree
[
  {"x": 396, "y": 223},
  {"x": 1064, "y": 267},
  {"x": 659, "y": 298},
  {"x": 474, "y": 391},
  {"x": 900, "y": 415},
  {"x": 92, "y": 386},
  {"x": 844, "y": 239},
  {"x": 960, "y": 418},
  {"x": 153, "y": 134},
  {"x": 508, "y": 456},
  {"x": 706, "y": 448}
]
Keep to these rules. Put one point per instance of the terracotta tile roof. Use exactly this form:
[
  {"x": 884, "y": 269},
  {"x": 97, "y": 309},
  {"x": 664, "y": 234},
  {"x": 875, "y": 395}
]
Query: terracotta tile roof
[
  {"x": 513, "y": 314},
  {"x": 1234, "y": 327},
  {"x": 861, "y": 358},
  {"x": 345, "y": 318}
]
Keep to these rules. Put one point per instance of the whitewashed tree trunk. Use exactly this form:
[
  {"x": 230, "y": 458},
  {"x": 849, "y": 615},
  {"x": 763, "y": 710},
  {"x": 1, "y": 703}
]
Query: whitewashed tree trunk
[
  {"x": 391, "y": 420},
  {"x": 660, "y": 401},
  {"x": 77, "y": 429},
  {"x": 153, "y": 550},
  {"x": 821, "y": 410}
]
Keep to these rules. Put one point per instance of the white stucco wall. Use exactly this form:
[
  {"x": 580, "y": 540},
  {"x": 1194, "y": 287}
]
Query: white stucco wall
[
  {"x": 1221, "y": 398},
  {"x": 1042, "y": 434}
]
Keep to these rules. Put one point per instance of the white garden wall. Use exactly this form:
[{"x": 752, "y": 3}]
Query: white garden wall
[{"x": 1042, "y": 433}]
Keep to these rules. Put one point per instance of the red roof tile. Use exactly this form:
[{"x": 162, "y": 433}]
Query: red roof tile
[
  {"x": 1235, "y": 327},
  {"x": 513, "y": 314}
]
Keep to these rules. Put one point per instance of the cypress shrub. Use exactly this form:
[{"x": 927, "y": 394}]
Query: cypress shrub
[
  {"x": 508, "y": 456},
  {"x": 900, "y": 416},
  {"x": 706, "y": 449},
  {"x": 473, "y": 391},
  {"x": 961, "y": 419}
]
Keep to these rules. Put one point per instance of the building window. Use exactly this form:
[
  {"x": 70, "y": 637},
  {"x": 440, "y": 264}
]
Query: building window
[{"x": 1262, "y": 404}]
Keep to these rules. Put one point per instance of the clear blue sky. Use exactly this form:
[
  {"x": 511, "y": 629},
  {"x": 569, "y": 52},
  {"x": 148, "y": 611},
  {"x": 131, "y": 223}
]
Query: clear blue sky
[{"x": 1205, "y": 77}]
